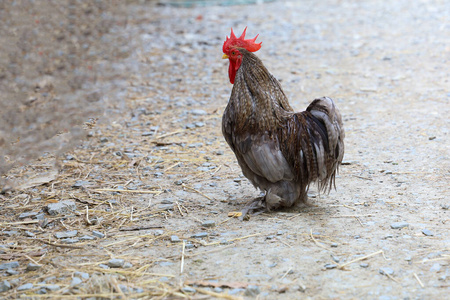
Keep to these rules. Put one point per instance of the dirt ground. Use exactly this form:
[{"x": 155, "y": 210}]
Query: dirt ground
[{"x": 159, "y": 181}]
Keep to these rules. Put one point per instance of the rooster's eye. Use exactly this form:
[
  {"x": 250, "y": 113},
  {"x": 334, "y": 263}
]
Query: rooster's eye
[{"x": 233, "y": 53}]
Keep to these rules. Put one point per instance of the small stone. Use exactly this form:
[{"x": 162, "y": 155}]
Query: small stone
[
  {"x": 4, "y": 286},
  {"x": 75, "y": 281},
  {"x": 66, "y": 234},
  {"x": 237, "y": 180},
  {"x": 199, "y": 124},
  {"x": 209, "y": 223},
  {"x": 188, "y": 289},
  {"x": 81, "y": 183},
  {"x": 33, "y": 267},
  {"x": 427, "y": 232},
  {"x": 25, "y": 215},
  {"x": 98, "y": 234},
  {"x": 386, "y": 271},
  {"x": 52, "y": 287},
  {"x": 436, "y": 267},
  {"x": 178, "y": 182},
  {"x": 432, "y": 138},
  {"x": 12, "y": 272},
  {"x": 218, "y": 289},
  {"x": 165, "y": 206},
  {"x": 330, "y": 266},
  {"x": 334, "y": 245},
  {"x": 127, "y": 265},
  {"x": 335, "y": 258},
  {"x": 198, "y": 112},
  {"x": 103, "y": 266},
  {"x": 200, "y": 235},
  {"x": 25, "y": 287},
  {"x": 364, "y": 265},
  {"x": 399, "y": 225},
  {"x": 29, "y": 234},
  {"x": 87, "y": 238},
  {"x": 235, "y": 291},
  {"x": 83, "y": 275},
  {"x": 116, "y": 263},
  {"x": 252, "y": 291},
  {"x": 9, "y": 265},
  {"x": 158, "y": 232},
  {"x": 220, "y": 152},
  {"x": 61, "y": 207},
  {"x": 70, "y": 241},
  {"x": 10, "y": 232}
]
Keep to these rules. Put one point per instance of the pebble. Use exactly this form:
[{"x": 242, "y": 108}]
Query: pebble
[
  {"x": 235, "y": 291},
  {"x": 116, "y": 263},
  {"x": 75, "y": 281},
  {"x": 165, "y": 206},
  {"x": 199, "y": 124},
  {"x": 334, "y": 245},
  {"x": 209, "y": 223},
  {"x": 386, "y": 271},
  {"x": 25, "y": 287},
  {"x": 427, "y": 232},
  {"x": 83, "y": 275},
  {"x": 70, "y": 241},
  {"x": 103, "y": 266},
  {"x": 81, "y": 183},
  {"x": 9, "y": 265},
  {"x": 237, "y": 180},
  {"x": 66, "y": 234},
  {"x": 436, "y": 267},
  {"x": 399, "y": 225},
  {"x": 98, "y": 234},
  {"x": 188, "y": 289},
  {"x": 200, "y": 235},
  {"x": 52, "y": 287},
  {"x": 158, "y": 232},
  {"x": 29, "y": 234},
  {"x": 364, "y": 265},
  {"x": 330, "y": 266},
  {"x": 218, "y": 289},
  {"x": 127, "y": 265},
  {"x": 4, "y": 286},
  {"x": 12, "y": 272},
  {"x": 30, "y": 214},
  {"x": 61, "y": 207},
  {"x": 335, "y": 258},
  {"x": 198, "y": 112},
  {"x": 252, "y": 291},
  {"x": 33, "y": 267},
  {"x": 175, "y": 239},
  {"x": 87, "y": 238}
]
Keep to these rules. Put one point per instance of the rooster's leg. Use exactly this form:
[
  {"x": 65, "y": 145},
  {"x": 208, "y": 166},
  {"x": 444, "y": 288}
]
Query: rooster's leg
[{"x": 256, "y": 207}]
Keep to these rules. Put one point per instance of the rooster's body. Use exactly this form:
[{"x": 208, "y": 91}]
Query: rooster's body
[{"x": 281, "y": 152}]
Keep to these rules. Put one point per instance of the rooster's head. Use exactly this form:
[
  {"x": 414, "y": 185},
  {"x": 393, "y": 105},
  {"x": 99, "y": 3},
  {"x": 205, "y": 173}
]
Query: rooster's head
[{"x": 231, "y": 51}]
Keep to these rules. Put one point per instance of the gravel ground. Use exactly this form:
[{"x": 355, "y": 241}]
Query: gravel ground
[{"x": 141, "y": 209}]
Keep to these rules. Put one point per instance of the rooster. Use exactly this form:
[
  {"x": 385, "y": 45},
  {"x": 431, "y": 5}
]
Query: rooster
[{"x": 280, "y": 151}]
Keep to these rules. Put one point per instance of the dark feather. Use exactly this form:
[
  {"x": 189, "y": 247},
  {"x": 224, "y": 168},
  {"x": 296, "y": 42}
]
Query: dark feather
[{"x": 281, "y": 152}]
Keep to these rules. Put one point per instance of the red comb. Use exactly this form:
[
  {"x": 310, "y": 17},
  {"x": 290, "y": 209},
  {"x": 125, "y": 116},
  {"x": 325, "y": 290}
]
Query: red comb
[{"x": 233, "y": 41}]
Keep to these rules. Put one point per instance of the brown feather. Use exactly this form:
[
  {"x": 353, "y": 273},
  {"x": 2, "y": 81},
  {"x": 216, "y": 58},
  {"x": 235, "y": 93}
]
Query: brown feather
[{"x": 281, "y": 152}]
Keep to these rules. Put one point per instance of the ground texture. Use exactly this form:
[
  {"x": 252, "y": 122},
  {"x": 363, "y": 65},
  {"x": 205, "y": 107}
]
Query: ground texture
[{"x": 153, "y": 188}]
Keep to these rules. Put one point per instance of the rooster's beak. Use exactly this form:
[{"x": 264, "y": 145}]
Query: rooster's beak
[{"x": 224, "y": 56}]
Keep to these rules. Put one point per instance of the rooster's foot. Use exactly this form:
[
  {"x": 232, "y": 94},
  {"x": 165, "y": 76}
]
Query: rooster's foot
[{"x": 255, "y": 207}]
